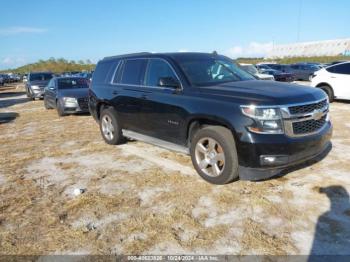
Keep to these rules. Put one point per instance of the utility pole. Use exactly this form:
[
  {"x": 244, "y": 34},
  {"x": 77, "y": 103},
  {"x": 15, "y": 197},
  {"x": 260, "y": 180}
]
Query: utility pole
[{"x": 299, "y": 18}]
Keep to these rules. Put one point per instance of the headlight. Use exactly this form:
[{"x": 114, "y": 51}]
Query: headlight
[
  {"x": 35, "y": 87},
  {"x": 70, "y": 101},
  {"x": 266, "y": 120}
]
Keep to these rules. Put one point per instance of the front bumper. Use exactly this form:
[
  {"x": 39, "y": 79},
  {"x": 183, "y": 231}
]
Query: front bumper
[
  {"x": 292, "y": 152},
  {"x": 37, "y": 93},
  {"x": 75, "y": 110}
]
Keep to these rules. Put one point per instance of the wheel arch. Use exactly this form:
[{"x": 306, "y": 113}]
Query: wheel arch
[
  {"x": 198, "y": 122},
  {"x": 100, "y": 106},
  {"x": 322, "y": 84}
]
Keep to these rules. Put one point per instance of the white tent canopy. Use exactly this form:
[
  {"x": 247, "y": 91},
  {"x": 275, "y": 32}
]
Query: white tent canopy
[{"x": 307, "y": 49}]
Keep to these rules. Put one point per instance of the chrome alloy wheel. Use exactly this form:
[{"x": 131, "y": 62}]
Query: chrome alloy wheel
[
  {"x": 107, "y": 127},
  {"x": 210, "y": 157}
]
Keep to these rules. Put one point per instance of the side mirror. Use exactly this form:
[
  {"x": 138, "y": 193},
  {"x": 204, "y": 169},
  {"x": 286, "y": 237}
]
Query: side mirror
[{"x": 168, "y": 82}]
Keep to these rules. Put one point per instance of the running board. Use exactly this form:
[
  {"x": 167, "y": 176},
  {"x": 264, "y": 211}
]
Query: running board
[{"x": 155, "y": 141}]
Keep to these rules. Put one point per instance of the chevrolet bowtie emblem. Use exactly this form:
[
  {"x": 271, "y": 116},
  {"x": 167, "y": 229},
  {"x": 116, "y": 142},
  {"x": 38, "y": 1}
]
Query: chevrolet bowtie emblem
[{"x": 317, "y": 114}]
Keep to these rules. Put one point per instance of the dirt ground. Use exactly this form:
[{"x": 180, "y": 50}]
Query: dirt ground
[{"x": 141, "y": 199}]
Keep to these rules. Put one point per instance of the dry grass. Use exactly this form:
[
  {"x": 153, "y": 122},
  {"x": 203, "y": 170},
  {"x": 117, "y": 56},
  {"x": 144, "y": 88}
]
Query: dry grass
[{"x": 134, "y": 206}]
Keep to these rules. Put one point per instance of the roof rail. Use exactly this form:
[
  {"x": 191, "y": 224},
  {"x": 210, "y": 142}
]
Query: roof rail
[{"x": 126, "y": 55}]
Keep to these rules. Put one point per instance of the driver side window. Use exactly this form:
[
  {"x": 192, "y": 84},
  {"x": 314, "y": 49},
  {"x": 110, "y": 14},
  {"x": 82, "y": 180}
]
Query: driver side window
[{"x": 157, "y": 69}]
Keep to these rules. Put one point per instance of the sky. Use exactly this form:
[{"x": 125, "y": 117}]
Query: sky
[{"x": 81, "y": 30}]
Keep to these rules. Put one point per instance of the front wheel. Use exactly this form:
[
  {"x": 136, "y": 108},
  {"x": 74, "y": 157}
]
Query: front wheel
[
  {"x": 214, "y": 155},
  {"x": 46, "y": 104},
  {"x": 60, "y": 109}
]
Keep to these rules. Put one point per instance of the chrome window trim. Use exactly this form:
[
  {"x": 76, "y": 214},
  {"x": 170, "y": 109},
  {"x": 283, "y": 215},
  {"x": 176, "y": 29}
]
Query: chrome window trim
[
  {"x": 115, "y": 71},
  {"x": 155, "y": 87},
  {"x": 142, "y": 85}
]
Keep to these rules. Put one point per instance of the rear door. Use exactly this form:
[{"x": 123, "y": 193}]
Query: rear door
[
  {"x": 340, "y": 80},
  {"x": 128, "y": 94},
  {"x": 50, "y": 93}
]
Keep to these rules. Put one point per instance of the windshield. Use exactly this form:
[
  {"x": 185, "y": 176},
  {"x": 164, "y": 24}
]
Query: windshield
[
  {"x": 70, "y": 83},
  {"x": 204, "y": 71},
  {"x": 250, "y": 69},
  {"x": 40, "y": 77}
]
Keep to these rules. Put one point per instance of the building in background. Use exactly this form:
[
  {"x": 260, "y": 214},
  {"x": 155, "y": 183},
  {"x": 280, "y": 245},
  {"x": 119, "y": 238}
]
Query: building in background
[{"x": 307, "y": 49}]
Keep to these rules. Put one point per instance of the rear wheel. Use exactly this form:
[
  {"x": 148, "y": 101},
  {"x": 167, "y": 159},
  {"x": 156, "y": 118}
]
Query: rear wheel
[
  {"x": 110, "y": 128},
  {"x": 214, "y": 154},
  {"x": 329, "y": 92}
]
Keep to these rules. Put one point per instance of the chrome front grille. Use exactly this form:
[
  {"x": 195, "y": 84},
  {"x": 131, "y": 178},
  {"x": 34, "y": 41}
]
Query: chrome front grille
[
  {"x": 305, "y": 119},
  {"x": 83, "y": 103},
  {"x": 308, "y": 126},
  {"x": 308, "y": 108}
]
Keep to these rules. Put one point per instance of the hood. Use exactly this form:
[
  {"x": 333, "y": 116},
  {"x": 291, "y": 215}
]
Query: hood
[
  {"x": 39, "y": 83},
  {"x": 74, "y": 92},
  {"x": 264, "y": 92}
]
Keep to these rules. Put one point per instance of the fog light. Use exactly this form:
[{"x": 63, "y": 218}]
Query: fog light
[{"x": 273, "y": 160}]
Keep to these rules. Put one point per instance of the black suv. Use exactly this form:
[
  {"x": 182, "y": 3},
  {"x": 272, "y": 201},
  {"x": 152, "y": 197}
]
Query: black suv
[{"x": 231, "y": 124}]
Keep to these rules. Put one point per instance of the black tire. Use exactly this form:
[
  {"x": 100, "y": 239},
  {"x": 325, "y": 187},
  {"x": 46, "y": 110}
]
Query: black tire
[
  {"x": 329, "y": 92},
  {"x": 60, "y": 110},
  {"x": 30, "y": 94},
  {"x": 115, "y": 136},
  {"x": 46, "y": 104},
  {"x": 226, "y": 143}
]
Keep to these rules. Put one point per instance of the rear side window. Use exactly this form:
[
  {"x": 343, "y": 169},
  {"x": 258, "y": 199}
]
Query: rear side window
[
  {"x": 133, "y": 71},
  {"x": 340, "y": 69},
  {"x": 103, "y": 69}
]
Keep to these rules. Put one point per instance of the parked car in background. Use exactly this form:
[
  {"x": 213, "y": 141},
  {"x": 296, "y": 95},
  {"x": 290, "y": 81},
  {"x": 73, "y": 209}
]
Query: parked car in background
[
  {"x": 36, "y": 83},
  {"x": 334, "y": 80},
  {"x": 69, "y": 95},
  {"x": 319, "y": 65},
  {"x": 85, "y": 75},
  {"x": 262, "y": 67},
  {"x": 6, "y": 78},
  {"x": 25, "y": 78},
  {"x": 255, "y": 72},
  {"x": 279, "y": 75},
  {"x": 231, "y": 124},
  {"x": 2, "y": 81},
  {"x": 279, "y": 67},
  {"x": 303, "y": 71}
]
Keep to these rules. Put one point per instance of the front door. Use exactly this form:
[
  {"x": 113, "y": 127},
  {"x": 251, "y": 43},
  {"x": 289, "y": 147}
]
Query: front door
[{"x": 162, "y": 113}]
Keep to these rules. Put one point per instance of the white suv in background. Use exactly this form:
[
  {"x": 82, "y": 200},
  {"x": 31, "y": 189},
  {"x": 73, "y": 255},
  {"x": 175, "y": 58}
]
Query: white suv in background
[{"x": 334, "y": 80}]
